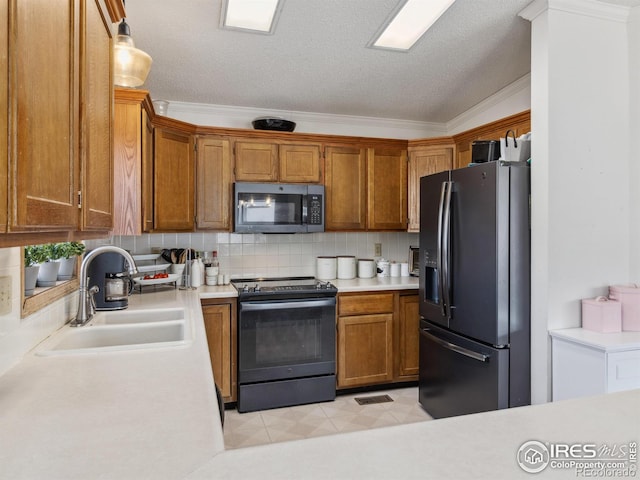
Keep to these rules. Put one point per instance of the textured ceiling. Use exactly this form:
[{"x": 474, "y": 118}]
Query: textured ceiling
[{"x": 317, "y": 60}]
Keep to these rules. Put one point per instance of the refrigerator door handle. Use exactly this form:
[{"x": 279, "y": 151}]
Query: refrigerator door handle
[
  {"x": 481, "y": 357},
  {"x": 446, "y": 241},
  {"x": 443, "y": 193}
]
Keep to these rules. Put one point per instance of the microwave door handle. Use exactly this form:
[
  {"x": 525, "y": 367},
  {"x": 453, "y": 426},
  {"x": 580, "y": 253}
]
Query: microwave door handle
[
  {"x": 446, "y": 252},
  {"x": 443, "y": 191},
  {"x": 305, "y": 202}
]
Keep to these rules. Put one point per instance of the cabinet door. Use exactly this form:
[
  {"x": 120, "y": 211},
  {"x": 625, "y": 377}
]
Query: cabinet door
[
  {"x": 299, "y": 163},
  {"x": 217, "y": 324},
  {"x": 387, "y": 189},
  {"x": 256, "y": 162},
  {"x": 96, "y": 119},
  {"x": 173, "y": 185},
  {"x": 147, "y": 172},
  {"x": 213, "y": 173},
  {"x": 345, "y": 188},
  {"x": 43, "y": 115},
  {"x": 127, "y": 135},
  {"x": 424, "y": 161},
  {"x": 365, "y": 350},
  {"x": 408, "y": 338},
  {"x": 4, "y": 107}
]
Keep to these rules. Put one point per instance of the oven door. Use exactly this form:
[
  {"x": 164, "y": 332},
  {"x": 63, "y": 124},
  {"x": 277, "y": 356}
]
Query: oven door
[{"x": 286, "y": 339}]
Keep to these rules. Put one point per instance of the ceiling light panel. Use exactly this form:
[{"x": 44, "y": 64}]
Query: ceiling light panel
[
  {"x": 408, "y": 23},
  {"x": 257, "y": 16}
]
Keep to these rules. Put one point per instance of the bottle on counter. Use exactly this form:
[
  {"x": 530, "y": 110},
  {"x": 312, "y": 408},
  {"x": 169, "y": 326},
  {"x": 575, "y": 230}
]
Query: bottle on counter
[
  {"x": 214, "y": 268},
  {"x": 196, "y": 273}
]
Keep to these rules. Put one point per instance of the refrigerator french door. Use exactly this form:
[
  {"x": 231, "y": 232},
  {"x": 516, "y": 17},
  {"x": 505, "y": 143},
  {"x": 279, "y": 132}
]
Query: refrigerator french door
[{"x": 474, "y": 289}]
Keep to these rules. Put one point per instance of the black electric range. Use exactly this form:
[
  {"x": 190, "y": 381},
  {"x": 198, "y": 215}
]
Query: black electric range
[{"x": 283, "y": 288}]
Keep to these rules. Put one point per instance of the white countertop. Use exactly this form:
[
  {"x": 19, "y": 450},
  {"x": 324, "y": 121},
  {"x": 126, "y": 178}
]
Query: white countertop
[
  {"x": 153, "y": 414},
  {"x": 376, "y": 284},
  {"x": 480, "y": 446},
  {"x": 608, "y": 342}
]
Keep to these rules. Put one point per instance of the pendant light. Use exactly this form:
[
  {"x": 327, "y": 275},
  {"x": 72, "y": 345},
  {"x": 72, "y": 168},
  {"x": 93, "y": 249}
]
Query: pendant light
[{"x": 130, "y": 64}]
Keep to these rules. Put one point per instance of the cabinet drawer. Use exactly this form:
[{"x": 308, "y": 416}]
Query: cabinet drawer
[
  {"x": 623, "y": 371},
  {"x": 365, "y": 304}
]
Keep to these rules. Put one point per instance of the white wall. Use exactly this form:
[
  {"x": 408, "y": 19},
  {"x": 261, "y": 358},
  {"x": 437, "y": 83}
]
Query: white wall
[
  {"x": 512, "y": 99},
  {"x": 581, "y": 162},
  {"x": 634, "y": 148}
]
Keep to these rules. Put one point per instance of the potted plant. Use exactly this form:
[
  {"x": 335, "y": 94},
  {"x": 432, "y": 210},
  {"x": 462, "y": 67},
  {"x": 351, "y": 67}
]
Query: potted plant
[
  {"x": 68, "y": 252},
  {"x": 48, "y": 272},
  {"x": 33, "y": 256}
]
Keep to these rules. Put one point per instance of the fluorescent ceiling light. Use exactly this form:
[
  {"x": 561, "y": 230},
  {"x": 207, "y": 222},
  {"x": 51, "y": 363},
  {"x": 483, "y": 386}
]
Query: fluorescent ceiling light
[
  {"x": 253, "y": 15},
  {"x": 410, "y": 20}
]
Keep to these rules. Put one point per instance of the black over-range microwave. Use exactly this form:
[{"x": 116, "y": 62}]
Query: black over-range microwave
[{"x": 278, "y": 208}]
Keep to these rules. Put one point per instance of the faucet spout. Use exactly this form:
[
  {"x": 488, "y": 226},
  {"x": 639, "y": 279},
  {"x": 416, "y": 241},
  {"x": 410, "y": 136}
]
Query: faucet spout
[{"x": 85, "y": 312}]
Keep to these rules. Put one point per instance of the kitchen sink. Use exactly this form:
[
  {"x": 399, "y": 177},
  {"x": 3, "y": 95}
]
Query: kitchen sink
[
  {"x": 118, "y": 331},
  {"x": 137, "y": 316}
]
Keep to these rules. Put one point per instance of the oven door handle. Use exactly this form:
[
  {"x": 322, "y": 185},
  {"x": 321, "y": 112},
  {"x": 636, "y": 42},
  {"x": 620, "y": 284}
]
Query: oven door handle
[{"x": 288, "y": 304}]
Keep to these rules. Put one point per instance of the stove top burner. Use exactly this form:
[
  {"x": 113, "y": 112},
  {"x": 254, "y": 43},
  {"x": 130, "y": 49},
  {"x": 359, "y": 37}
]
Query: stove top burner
[{"x": 282, "y": 286}]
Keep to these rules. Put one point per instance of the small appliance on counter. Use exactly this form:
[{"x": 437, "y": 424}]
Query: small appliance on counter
[
  {"x": 483, "y": 151},
  {"x": 414, "y": 264},
  {"x": 109, "y": 272}
]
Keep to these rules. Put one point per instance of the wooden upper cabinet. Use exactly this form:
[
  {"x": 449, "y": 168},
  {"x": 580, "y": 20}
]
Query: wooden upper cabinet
[
  {"x": 173, "y": 185},
  {"x": 96, "y": 119},
  {"x": 214, "y": 183},
  {"x": 387, "y": 189},
  {"x": 299, "y": 163},
  {"x": 43, "y": 120},
  {"x": 424, "y": 161},
  {"x": 277, "y": 162},
  {"x": 345, "y": 188},
  {"x": 130, "y": 146},
  {"x": 256, "y": 162},
  {"x": 4, "y": 108}
]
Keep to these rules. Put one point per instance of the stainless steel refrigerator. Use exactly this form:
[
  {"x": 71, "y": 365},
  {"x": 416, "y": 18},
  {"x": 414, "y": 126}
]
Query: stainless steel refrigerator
[{"x": 475, "y": 289}]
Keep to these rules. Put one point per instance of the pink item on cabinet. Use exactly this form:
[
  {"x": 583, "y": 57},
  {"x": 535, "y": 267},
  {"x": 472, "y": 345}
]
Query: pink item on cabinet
[
  {"x": 629, "y": 297},
  {"x": 601, "y": 315}
]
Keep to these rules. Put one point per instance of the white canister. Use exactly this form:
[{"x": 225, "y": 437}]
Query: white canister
[
  {"x": 366, "y": 268},
  {"x": 346, "y": 267},
  {"x": 404, "y": 269},
  {"x": 383, "y": 268},
  {"x": 394, "y": 269},
  {"x": 326, "y": 268}
]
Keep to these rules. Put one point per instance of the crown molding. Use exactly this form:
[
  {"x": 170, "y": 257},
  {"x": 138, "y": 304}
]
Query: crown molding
[
  {"x": 247, "y": 114},
  {"x": 589, "y": 8}
]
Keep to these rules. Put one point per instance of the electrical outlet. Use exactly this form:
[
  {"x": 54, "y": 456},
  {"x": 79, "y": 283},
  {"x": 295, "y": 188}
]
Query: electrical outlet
[
  {"x": 378, "y": 250},
  {"x": 5, "y": 295}
]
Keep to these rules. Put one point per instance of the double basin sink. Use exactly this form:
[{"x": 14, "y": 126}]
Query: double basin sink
[{"x": 122, "y": 330}]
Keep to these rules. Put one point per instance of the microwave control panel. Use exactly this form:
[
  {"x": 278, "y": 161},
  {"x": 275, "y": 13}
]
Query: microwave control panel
[{"x": 315, "y": 209}]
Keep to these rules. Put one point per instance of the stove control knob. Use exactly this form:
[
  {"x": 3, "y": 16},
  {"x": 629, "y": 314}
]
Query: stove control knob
[
  {"x": 256, "y": 288},
  {"x": 245, "y": 288}
]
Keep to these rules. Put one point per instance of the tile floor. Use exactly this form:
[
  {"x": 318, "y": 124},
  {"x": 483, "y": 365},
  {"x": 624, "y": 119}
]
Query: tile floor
[{"x": 306, "y": 421}]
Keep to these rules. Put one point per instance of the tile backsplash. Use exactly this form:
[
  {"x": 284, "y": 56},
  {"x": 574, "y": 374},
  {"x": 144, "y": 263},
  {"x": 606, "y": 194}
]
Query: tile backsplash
[{"x": 272, "y": 255}]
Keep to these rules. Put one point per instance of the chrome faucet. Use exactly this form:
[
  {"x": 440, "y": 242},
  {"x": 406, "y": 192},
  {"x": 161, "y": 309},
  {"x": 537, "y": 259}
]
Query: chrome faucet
[{"x": 85, "y": 300}]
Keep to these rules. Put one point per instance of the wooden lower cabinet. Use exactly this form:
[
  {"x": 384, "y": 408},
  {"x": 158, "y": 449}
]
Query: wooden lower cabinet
[
  {"x": 377, "y": 338},
  {"x": 407, "y": 337},
  {"x": 220, "y": 325}
]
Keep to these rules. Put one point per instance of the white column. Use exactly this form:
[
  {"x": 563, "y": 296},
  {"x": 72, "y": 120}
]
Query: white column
[{"x": 580, "y": 164}]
